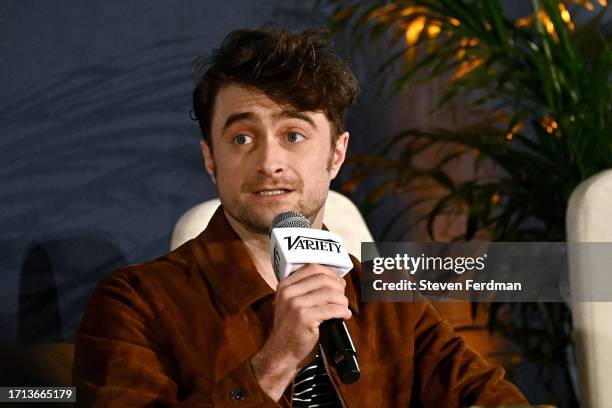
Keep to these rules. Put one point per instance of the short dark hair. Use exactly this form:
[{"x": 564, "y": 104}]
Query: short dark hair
[{"x": 296, "y": 70}]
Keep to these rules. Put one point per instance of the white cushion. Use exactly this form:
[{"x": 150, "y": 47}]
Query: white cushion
[{"x": 589, "y": 219}]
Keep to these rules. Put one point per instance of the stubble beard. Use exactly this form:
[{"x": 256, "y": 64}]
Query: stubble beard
[{"x": 258, "y": 219}]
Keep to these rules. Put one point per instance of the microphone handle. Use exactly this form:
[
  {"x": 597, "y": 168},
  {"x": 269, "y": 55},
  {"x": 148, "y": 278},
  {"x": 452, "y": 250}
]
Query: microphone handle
[{"x": 339, "y": 349}]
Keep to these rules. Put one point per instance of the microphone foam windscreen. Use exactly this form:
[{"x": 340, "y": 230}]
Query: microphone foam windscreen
[{"x": 290, "y": 219}]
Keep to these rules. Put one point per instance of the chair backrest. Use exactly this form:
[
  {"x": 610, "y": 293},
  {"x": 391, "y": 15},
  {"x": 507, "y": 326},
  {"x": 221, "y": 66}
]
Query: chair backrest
[
  {"x": 341, "y": 216},
  {"x": 589, "y": 219}
]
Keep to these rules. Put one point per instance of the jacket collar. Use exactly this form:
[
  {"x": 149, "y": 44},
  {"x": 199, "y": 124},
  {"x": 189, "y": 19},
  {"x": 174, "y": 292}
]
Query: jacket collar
[{"x": 226, "y": 264}]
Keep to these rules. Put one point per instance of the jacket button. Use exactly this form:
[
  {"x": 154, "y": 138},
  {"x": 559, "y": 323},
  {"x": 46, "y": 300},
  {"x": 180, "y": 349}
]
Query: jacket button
[{"x": 237, "y": 394}]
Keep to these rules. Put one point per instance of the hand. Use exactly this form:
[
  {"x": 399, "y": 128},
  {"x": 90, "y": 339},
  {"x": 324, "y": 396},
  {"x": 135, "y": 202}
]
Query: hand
[{"x": 308, "y": 297}]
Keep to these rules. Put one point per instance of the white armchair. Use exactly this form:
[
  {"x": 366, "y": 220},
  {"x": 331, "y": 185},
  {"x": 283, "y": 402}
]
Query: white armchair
[
  {"x": 341, "y": 216},
  {"x": 589, "y": 219}
]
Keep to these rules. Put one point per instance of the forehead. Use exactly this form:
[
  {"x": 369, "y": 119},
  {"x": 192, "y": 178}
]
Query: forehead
[{"x": 233, "y": 99}]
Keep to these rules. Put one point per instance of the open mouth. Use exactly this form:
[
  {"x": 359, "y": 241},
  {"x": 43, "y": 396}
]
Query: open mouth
[{"x": 273, "y": 192}]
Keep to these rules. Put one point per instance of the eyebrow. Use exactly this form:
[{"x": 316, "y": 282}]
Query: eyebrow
[
  {"x": 236, "y": 117},
  {"x": 285, "y": 114},
  {"x": 250, "y": 116}
]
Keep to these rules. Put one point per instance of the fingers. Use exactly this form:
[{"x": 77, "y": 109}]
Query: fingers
[
  {"x": 313, "y": 285},
  {"x": 312, "y": 282},
  {"x": 307, "y": 271},
  {"x": 315, "y": 293},
  {"x": 312, "y": 317},
  {"x": 320, "y": 296},
  {"x": 307, "y": 298}
]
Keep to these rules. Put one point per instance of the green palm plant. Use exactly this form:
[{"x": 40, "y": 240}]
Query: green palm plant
[{"x": 544, "y": 85}]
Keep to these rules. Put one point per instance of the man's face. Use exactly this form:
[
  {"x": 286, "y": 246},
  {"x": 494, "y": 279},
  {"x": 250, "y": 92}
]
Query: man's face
[{"x": 266, "y": 160}]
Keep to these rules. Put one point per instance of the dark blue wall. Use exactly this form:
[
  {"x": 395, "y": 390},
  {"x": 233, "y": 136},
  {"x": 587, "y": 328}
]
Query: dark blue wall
[{"x": 99, "y": 156}]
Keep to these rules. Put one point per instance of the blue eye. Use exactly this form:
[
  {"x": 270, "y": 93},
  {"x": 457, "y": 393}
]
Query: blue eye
[
  {"x": 294, "y": 137},
  {"x": 243, "y": 139}
]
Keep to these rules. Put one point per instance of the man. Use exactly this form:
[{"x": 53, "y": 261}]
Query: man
[{"x": 209, "y": 325}]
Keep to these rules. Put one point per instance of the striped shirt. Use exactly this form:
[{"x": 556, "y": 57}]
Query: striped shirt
[{"x": 313, "y": 388}]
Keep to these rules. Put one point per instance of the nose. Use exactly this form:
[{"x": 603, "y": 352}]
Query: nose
[{"x": 271, "y": 158}]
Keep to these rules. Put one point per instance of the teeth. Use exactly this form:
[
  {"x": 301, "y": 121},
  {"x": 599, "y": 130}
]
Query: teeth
[{"x": 271, "y": 192}]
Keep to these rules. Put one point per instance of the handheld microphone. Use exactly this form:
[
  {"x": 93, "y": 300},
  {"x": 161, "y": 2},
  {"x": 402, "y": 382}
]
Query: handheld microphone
[{"x": 293, "y": 244}]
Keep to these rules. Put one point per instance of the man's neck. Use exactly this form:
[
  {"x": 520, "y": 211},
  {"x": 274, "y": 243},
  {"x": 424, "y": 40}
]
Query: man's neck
[{"x": 258, "y": 245}]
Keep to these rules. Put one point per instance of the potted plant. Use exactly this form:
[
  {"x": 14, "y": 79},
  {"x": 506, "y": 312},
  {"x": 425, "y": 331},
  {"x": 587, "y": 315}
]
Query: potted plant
[{"x": 543, "y": 86}]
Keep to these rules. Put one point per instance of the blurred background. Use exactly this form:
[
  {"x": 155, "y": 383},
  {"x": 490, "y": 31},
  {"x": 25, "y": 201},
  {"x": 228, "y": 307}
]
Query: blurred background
[{"x": 472, "y": 123}]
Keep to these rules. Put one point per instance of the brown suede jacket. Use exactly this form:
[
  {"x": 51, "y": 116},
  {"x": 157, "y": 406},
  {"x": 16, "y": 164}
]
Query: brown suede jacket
[{"x": 179, "y": 331}]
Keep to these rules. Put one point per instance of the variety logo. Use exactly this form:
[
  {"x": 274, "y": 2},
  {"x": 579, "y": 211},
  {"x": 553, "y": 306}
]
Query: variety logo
[{"x": 315, "y": 244}]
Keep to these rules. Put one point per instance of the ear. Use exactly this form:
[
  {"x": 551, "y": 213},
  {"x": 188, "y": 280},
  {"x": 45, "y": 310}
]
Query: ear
[
  {"x": 209, "y": 161},
  {"x": 338, "y": 154}
]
